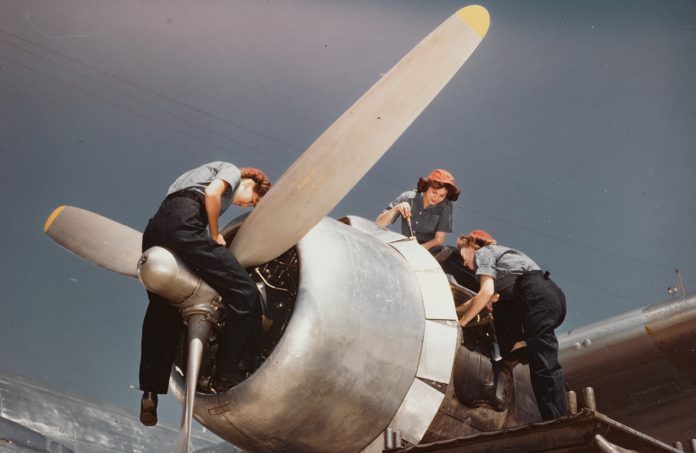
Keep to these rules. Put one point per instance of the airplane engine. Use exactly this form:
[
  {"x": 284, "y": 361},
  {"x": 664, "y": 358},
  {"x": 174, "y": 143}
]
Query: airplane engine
[{"x": 369, "y": 344}]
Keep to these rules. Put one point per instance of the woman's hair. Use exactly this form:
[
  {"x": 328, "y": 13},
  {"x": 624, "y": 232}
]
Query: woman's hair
[
  {"x": 475, "y": 239},
  {"x": 424, "y": 184},
  {"x": 262, "y": 183}
]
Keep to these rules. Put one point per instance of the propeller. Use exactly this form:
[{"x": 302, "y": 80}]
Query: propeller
[
  {"x": 96, "y": 239},
  {"x": 199, "y": 328},
  {"x": 317, "y": 181},
  {"x": 307, "y": 191}
]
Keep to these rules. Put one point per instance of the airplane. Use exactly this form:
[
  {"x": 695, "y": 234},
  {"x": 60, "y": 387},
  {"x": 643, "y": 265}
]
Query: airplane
[
  {"x": 313, "y": 186},
  {"x": 361, "y": 323}
]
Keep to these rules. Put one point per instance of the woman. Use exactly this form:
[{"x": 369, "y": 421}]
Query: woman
[
  {"x": 426, "y": 212},
  {"x": 531, "y": 306},
  {"x": 186, "y": 223}
]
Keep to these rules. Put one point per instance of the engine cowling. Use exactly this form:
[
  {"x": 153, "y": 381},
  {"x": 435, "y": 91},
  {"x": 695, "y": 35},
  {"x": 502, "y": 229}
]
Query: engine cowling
[{"x": 370, "y": 345}]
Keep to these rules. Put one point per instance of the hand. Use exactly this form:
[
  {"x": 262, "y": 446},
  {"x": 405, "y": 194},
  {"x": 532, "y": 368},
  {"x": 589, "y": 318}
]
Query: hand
[
  {"x": 404, "y": 209},
  {"x": 220, "y": 240},
  {"x": 494, "y": 298}
]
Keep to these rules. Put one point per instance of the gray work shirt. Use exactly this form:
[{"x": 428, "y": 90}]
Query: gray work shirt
[
  {"x": 199, "y": 178},
  {"x": 503, "y": 264},
  {"x": 424, "y": 221}
]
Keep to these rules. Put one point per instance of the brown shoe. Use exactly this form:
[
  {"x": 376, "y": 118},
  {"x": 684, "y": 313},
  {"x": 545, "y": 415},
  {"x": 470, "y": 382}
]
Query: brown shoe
[{"x": 148, "y": 409}]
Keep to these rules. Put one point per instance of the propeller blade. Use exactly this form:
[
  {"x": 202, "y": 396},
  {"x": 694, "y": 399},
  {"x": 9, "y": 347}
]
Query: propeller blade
[
  {"x": 317, "y": 181},
  {"x": 198, "y": 332},
  {"x": 99, "y": 240}
]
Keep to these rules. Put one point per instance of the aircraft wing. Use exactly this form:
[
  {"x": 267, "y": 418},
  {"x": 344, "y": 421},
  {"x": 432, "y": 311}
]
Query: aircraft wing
[
  {"x": 642, "y": 366},
  {"x": 37, "y": 417}
]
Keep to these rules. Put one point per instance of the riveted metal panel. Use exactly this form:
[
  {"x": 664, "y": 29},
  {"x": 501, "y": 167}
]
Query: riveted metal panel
[
  {"x": 417, "y": 411},
  {"x": 416, "y": 255},
  {"x": 439, "y": 348},
  {"x": 437, "y": 295}
]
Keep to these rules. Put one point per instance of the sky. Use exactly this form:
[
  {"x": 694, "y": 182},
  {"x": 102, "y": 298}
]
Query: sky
[{"x": 570, "y": 131}]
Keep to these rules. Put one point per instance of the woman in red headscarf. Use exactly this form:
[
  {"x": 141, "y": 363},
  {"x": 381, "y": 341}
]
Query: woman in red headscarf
[
  {"x": 529, "y": 307},
  {"x": 426, "y": 212}
]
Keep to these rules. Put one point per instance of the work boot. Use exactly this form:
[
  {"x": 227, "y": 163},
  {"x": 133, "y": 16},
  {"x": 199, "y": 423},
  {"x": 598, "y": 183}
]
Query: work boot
[
  {"x": 518, "y": 355},
  {"x": 148, "y": 409}
]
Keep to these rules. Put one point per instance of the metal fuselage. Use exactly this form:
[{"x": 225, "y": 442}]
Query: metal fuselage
[{"x": 642, "y": 366}]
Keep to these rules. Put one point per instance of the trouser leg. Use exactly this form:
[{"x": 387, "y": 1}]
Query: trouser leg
[
  {"x": 508, "y": 325},
  {"x": 162, "y": 329},
  {"x": 241, "y": 338},
  {"x": 218, "y": 267},
  {"x": 161, "y": 332},
  {"x": 544, "y": 304},
  {"x": 546, "y": 376}
]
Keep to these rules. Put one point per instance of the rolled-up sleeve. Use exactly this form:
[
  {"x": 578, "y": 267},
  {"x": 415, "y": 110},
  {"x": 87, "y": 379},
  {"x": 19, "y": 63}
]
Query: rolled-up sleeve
[
  {"x": 485, "y": 262},
  {"x": 230, "y": 174}
]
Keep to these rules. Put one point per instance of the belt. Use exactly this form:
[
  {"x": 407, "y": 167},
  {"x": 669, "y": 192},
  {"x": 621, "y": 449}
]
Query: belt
[
  {"x": 185, "y": 193},
  {"x": 532, "y": 274}
]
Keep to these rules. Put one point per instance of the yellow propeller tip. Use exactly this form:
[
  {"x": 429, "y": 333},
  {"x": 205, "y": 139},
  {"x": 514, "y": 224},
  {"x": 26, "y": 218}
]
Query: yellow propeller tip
[
  {"x": 477, "y": 18},
  {"x": 52, "y": 217}
]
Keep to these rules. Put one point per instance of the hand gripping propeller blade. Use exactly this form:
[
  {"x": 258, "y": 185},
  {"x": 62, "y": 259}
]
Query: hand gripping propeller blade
[
  {"x": 99, "y": 240},
  {"x": 317, "y": 181}
]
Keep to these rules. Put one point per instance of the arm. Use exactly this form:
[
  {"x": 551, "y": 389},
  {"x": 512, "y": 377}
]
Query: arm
[
  {"x": 480, "y": 300},
  {"x": 388, "y": 216},
  {"x": 461, "y": 309},
  {"x": 213, "y": 193},
  {"x": 439, "y": 239}
]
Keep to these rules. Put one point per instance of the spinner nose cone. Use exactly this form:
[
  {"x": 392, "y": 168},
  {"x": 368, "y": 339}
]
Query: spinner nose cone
[
  {"x": 162, "y": 273},
  {"x": 157, "y": 267}
]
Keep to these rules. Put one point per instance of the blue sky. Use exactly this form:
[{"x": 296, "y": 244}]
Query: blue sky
[{"x": 570, "y": 132}]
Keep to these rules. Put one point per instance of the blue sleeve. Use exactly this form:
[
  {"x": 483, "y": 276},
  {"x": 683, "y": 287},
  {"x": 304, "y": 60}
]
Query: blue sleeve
[
  {"x": 230, "y": 174},
  {"x": 485, "y": 262}
]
